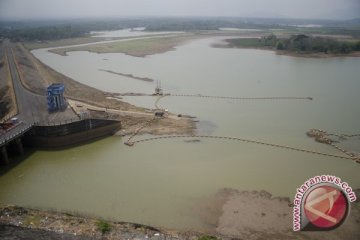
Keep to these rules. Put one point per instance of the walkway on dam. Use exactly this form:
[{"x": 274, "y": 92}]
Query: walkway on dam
[
  {"x": 25, "y": 106},
  {"x": 14, "y": 133}
]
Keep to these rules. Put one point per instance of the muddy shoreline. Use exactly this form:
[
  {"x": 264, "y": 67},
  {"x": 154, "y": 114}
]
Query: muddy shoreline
[
  {"x": 230, "y": 213},
  {"x": 52, "y": 223},
  {"x": 260, "y": 215}
]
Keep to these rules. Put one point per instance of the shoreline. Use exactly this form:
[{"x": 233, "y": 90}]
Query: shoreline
[
  {"x": 172, "y": 42},
  {"x": 87, "y": 227},
  {"x": 137, "y": 46},
  {"x": 229, "y": 213},
  {"x": 251, "y": 215},
  {"x": 316, "y": 55},
  {"x": 63, "y": 43}
]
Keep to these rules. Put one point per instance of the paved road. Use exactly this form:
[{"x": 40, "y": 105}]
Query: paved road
[{"x": 27, "y": 102}]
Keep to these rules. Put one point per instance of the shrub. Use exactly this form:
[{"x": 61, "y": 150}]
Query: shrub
[
  {"x": 208, "y": 238},
  {"x": 103, "y": 226}
]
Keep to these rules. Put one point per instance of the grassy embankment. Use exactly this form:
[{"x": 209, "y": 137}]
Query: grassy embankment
[
  {"x": 153, "y": 44},
  {"x": 31, "y": 45},
  {"x": 37, "y": 76},
  {"x": 136, "y": 47}
]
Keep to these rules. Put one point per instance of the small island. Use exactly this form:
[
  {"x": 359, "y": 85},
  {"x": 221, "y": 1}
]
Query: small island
[{"x": 299, "y": 45}]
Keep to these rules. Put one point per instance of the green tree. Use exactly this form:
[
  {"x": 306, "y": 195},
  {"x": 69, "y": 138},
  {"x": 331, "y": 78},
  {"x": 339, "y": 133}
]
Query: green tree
[
  {"x": 280, "y": 46},
  {"x": 357, "y": 46},
  {"x": 344, "y": 48}
]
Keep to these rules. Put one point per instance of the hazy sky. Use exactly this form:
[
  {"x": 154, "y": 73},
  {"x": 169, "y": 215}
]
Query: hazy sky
[{"x": 40, "y": 9}]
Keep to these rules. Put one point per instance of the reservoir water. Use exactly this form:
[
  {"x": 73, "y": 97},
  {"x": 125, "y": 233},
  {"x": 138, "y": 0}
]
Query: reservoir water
[{"x": 161, "y": 182}]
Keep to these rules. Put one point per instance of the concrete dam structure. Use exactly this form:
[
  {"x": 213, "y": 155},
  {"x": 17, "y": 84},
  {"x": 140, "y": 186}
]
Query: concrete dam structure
[
  {"x": 65, "y": 135},
  {"x": 57, "y": 136},
  {"x": 44, "y": 120}
]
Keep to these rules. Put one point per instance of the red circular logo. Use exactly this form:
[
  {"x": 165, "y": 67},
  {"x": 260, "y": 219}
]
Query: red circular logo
[{"x": 326, "y": 207}]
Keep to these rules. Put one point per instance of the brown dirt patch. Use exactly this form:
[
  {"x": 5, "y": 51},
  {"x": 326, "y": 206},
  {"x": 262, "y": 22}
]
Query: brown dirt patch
[
  {"x": 8, "y": 106},
  {"x": 260, "y": 215}
]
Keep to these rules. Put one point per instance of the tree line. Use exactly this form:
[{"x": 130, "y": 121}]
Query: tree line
[
  {"x": 42, "y": 33},
  {"x": 304, "y": 43},
  {"x": 299, "y": 43}
]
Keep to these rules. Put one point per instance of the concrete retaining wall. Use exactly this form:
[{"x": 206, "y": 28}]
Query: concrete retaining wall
[{"x": 70, "y": 134}]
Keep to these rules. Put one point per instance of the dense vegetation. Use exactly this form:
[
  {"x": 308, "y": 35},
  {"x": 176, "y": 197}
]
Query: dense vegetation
[
  {"x": 53, "y": 30},
  {"x": 43, "y": 33},
  {"x": 298, "y": 43},
  {"x": 60, "y": 29}
]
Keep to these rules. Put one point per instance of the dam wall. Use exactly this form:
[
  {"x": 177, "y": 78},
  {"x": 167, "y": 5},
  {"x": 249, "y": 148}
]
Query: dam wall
[
  {"x": 55, "y": 136},
  {"x": 65, "y": 135}
]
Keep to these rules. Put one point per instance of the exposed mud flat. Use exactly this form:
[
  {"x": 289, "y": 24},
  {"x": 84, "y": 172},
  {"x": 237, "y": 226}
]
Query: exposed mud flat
[
  {"x": 260, "y": 215},
  {"x": 128, "y": 75}
]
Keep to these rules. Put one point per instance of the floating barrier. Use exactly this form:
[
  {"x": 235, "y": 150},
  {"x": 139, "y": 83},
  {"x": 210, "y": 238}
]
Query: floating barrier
[
  {"x": 319, "y": 135},
  {"x": 323, "y": 136},
  {"x": 240, "y": 98},
  {"x": 216, "y": 97},
  {"x": 241, "y": 140},
  {"x": 129, "y": 142}
]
